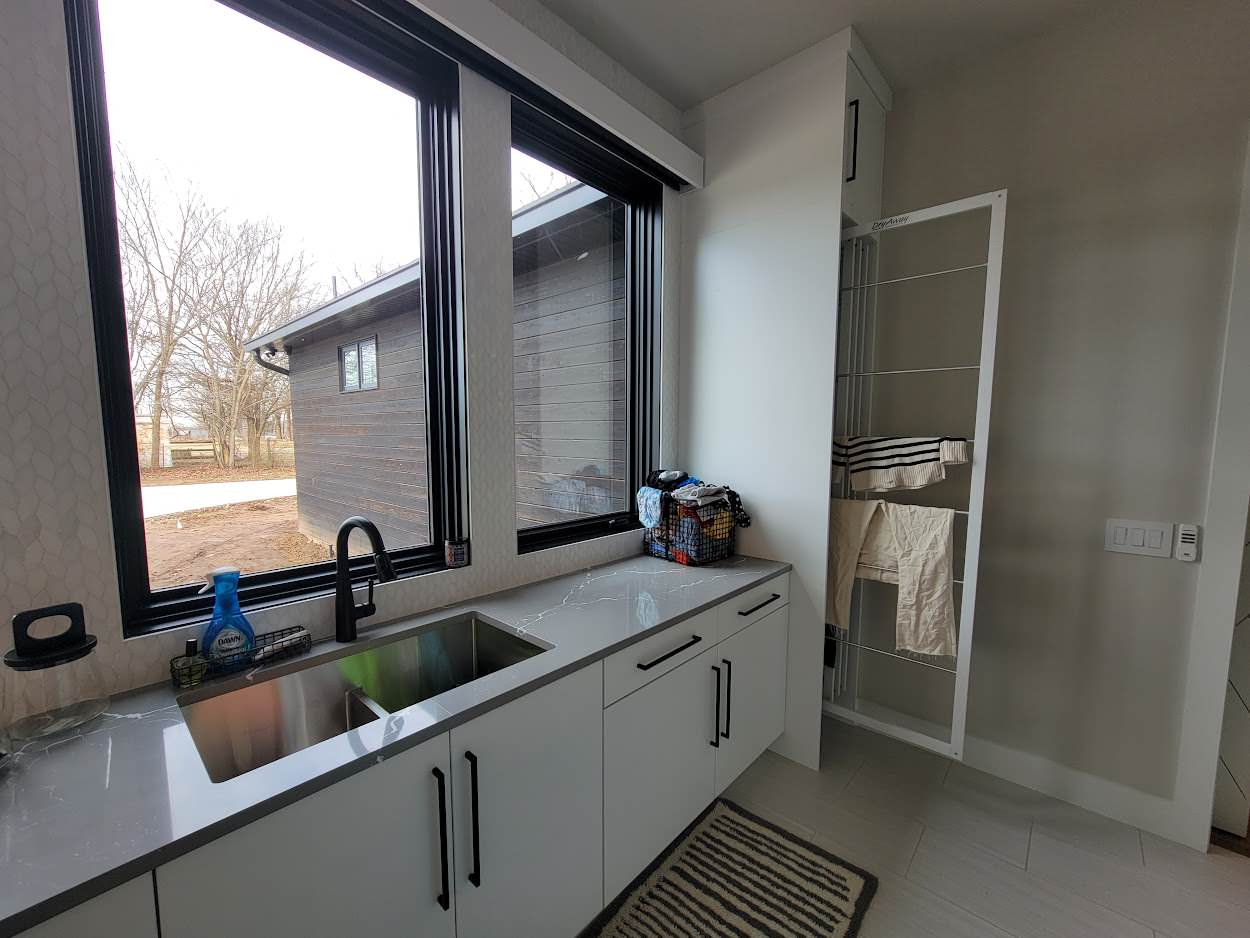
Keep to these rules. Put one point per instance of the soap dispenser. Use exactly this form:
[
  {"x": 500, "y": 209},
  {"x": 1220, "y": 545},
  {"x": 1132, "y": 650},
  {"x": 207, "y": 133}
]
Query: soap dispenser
[{"x": 228, "y": 632}]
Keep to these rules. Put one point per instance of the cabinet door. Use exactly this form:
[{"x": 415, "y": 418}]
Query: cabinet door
[
  {"x": 529, "y": 812},
  {"x": 863, "y": 149},
  {"x": 753, "y": 699},
  {"x": 127, "y": 911},
  {"x": 659, "y": 768},
  {"x": 362, "y": 858}
]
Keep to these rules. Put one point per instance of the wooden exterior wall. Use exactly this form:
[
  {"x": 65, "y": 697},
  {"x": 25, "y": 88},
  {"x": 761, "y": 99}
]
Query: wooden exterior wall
[
  {"x": 362, "y": 452},
  {"x": 570, "y": 371}
]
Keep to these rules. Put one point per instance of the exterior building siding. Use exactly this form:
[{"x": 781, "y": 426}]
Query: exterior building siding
[
  {"x": 569, "y": 370},
  {"x": 363, "y": 452}
]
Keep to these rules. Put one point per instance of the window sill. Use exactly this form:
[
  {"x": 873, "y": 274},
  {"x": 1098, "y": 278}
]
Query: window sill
[
  {"x": 573, "y": 532},
  {"x": 185, "y": 606}
]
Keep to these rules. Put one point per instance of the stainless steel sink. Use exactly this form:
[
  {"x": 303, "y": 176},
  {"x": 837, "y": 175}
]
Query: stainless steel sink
[{"x": 237, "y": 729}]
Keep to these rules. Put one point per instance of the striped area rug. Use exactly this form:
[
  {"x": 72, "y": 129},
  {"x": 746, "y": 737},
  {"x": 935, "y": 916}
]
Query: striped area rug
[{"x": 734, "y": 874}]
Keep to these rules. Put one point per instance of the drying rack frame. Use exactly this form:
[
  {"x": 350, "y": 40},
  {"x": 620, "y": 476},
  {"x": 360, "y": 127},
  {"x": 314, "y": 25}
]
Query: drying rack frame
[{"x": 996, "y": 202}]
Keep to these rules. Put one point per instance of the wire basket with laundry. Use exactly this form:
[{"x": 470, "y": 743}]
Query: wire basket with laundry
[{"x": 687, "y": 520}]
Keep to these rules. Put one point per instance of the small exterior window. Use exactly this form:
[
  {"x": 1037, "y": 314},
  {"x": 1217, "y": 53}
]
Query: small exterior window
[{"x": 358, "y": 365}]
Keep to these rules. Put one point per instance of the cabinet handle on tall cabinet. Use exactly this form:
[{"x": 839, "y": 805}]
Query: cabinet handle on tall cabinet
[
  {"x": 729, "y": 693},
  {"x": 716, "y": 729},
  {"x": 476, "y": 876},
  {"x": 444, "y": 897},
  {"x": 854, "y": 141}
]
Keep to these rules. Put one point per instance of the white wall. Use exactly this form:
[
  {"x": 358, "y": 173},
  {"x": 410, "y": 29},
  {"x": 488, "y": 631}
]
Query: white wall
[
  {"x": 55, "y": 529},
  {"x": 1120, "y": 138},
  {"x": 760, "y": 267}
]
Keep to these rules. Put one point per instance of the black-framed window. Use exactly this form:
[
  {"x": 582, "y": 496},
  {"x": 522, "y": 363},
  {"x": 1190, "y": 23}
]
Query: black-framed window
[
  {"x": 586, "y": 280},
  {"x": 358, "y": 365},
  {"x": 262, "y": 317}
]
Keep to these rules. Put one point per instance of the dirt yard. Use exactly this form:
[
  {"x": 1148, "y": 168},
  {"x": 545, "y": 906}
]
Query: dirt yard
[
  {"x": 186, "y": 475},
  {"x": 254, "y": 536}
]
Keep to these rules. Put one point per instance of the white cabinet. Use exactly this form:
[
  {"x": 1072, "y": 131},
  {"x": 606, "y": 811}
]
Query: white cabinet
[
  {"x": 658, "y": 767},
  {"x": 753, "y": 712},
  {"x": 653, "y": 657},
  {"x": 362, "y": 857},
  {"x": 529, "y": 813},
  {"x": 674, "y": 744},
  {"x": 863, "y": 149},
  {"x": 127, "y": 911}
]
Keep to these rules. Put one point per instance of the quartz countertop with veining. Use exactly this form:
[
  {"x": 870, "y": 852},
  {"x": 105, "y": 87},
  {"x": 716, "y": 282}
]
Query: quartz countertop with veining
[{"x": 89, "y": 810}]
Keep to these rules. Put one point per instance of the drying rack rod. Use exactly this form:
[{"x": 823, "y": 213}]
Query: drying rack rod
[
  {"x": 934, "y": 273},
  {"x": 907, "y": 371},
  {"x": 894, "y": 654}
]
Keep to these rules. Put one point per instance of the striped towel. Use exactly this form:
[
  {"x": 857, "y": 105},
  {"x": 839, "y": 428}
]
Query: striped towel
[{"x": 882, "y": 463}]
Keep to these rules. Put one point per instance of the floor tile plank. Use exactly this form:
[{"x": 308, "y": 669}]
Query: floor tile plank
[
  {"x": 1015, "y": 900},
  {"x": 1061, "y": 820},
  {"x": 1219, "y": 873},
  {"x": 962, "y": 814},
  {"x": 1152, "y": 898}
]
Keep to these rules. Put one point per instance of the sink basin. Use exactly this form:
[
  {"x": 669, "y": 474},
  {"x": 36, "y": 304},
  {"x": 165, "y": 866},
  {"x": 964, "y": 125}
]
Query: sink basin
[{"x": 239, "y": 729}]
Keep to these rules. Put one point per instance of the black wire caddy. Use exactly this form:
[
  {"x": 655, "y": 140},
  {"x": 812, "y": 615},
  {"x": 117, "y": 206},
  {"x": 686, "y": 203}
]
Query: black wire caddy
[
  {"x": 696, "y": 535},
  {"x": 189, "y": 670}
]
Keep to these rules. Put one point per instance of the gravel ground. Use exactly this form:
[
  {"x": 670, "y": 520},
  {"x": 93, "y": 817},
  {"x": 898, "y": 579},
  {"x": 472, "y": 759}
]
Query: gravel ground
[{"x": 254, "y": 536}]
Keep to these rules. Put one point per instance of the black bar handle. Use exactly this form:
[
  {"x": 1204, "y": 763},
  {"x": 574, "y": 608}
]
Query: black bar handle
[
  {"x": 476, "y": 876},
  {"x": 444, "y": 897},
  {"x": 729, "y": 693},
  {"x": 694, "y": 640},
  {"x": 716, "y": 731},
  {"x": 854, "y": 141},
  {"x": 771, "y": 599}
]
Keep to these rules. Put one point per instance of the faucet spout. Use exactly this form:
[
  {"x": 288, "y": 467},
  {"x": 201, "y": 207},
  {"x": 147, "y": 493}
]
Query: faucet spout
[{"x": 346, "y": 612}]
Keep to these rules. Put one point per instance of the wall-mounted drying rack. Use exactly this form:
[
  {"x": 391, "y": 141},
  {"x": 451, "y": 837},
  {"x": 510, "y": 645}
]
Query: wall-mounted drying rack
[{"x": 918, "y": 699}]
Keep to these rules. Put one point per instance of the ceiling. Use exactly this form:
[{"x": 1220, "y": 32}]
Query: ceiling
[{"x": 689, "y": 50}]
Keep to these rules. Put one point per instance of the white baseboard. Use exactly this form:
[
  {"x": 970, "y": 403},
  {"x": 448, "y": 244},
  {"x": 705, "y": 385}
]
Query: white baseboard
[{"x": 1120, "y": 802}]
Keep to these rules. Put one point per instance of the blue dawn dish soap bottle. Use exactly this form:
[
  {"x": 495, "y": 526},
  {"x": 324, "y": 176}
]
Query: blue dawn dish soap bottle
[{"x": 228, "y": 632}]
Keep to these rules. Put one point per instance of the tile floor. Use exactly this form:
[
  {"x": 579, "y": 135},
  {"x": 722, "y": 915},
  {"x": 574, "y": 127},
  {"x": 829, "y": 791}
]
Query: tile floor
[{"x": 961, "y": 853}]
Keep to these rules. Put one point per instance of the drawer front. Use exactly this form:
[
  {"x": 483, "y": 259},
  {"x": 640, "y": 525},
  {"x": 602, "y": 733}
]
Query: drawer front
[
  {"x": 737, "y": 613},
  {"x": 641, "y": 663}
]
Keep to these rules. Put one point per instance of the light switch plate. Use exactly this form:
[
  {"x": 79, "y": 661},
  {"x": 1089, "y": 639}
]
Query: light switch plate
[{"x": 1148, "y": 538}]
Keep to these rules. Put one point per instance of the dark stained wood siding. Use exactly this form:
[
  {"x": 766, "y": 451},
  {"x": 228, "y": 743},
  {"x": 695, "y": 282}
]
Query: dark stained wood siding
[
  {"x": 569, "y": 368},
  {"x": 363, "y": 452}
]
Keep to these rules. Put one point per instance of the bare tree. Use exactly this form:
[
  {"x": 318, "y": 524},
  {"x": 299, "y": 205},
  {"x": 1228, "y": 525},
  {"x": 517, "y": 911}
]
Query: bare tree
[
  {"x": 198, "y": 287},
  {"x": 541, "y": 182},
  {"x": 168, "y": 278},
  {"x": 261, "y": 286}
]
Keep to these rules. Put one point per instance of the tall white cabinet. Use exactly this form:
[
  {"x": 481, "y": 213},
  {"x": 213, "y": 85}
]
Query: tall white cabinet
[{"x": 759, "y": 272}]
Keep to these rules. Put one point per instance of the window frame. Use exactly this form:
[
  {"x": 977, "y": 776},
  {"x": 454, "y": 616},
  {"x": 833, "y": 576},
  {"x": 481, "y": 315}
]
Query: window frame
[
  {"x": 564, "y": 148},
  {"x": 356, "y": 33},
  {"x": 358, "y": 346}
]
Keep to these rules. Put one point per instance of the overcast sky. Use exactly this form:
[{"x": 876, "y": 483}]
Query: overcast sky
[{"x": 262, "y": 125}]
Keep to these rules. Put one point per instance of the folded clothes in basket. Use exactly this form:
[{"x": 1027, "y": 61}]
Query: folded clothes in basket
[{"x": 883, "y": 463}]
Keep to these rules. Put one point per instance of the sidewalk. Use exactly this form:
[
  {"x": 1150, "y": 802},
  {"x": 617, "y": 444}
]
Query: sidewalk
[{"x": 172, "y": 499}]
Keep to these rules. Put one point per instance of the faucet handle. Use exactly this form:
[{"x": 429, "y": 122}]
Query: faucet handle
[{"x": 367, "y": 608}]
